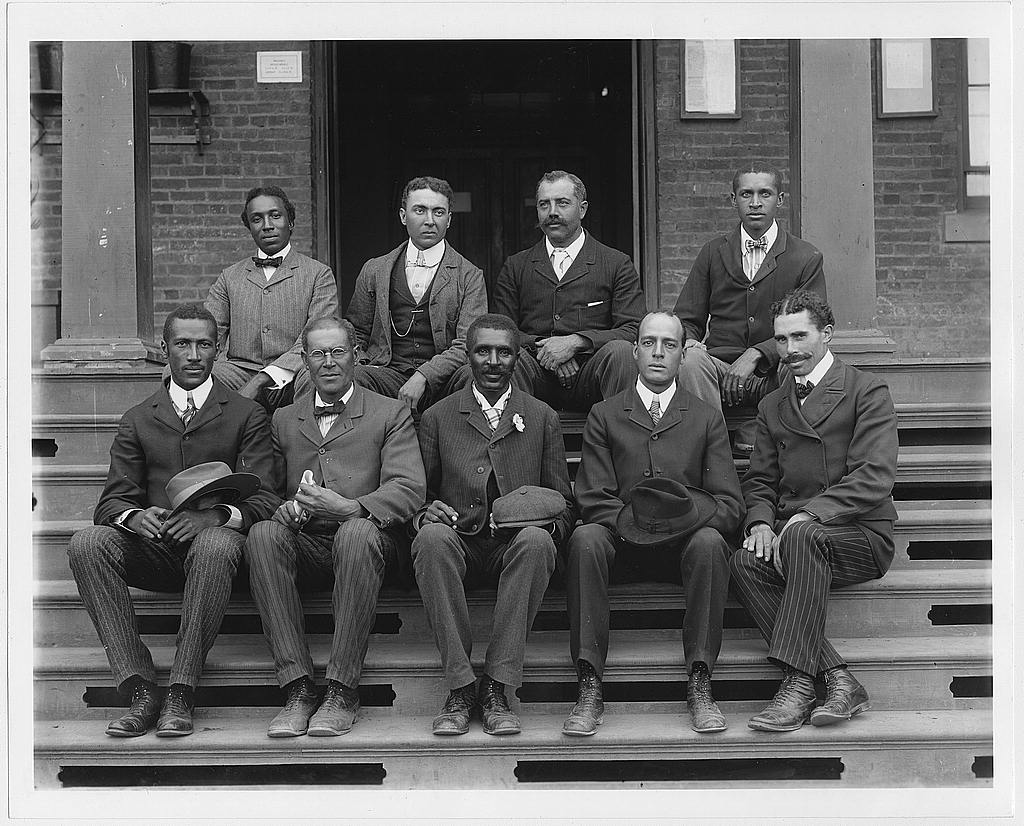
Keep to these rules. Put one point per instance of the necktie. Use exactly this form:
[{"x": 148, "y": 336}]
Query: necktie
[
  {"x": 493, "y": 417},
  {"x": 761, "y": 243},
  {"x": 418, "y": 282},
  {"x": 655, "y": 410},
  {"x": 559, "y": 258},
  {"x": 332, "y": 409},
  {"x": 267, "y": 262},
  {"x": 802, "y": 390},
  {"x": 189, "y": 411}
]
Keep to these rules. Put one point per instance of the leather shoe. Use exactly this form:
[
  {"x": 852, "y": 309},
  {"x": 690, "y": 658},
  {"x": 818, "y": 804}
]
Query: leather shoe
[
  {"x": 705, "y": 715},
  {"x": 293, "y": 719},
  {"x": 791, "y": 705},
  {"x": 176, "y": 715},
  {"x": 844, "y": 697},
  {"x": 141, "y": 715},
  {"x": 498, "y": 717},
  {"x": 588, "y": 713},
  {"x": 454, "y": 716},
  {"x": 337, "y": 712}
]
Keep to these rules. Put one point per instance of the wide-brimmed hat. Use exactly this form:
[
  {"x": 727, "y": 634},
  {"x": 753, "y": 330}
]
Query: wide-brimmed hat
[
  {"x": 662, "y": 510},
  {"x": 206, "y": 479}
]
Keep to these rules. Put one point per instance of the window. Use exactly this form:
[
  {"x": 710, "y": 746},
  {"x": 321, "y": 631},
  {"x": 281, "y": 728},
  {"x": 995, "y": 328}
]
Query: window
[{"x": 976, "y": 124}]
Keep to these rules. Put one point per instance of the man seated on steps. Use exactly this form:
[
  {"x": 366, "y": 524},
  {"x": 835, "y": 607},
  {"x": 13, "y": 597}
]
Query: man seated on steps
[
  {"x": 144, "y": 536},
  {"x": 480, "y": 447},
  {"x": 658, "y": 494},
  {"x": 351, "y": 464},
  {"x": 819, "y": 511}
]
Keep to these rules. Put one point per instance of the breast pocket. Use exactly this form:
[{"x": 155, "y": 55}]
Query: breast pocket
[{"x": 595, "y": 315}]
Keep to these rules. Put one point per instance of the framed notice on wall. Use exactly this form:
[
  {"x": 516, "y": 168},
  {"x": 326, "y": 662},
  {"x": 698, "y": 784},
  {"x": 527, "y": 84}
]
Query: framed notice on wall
[
  {"x": 905, "y": 77},
  {"x": 709, "y": 79}
]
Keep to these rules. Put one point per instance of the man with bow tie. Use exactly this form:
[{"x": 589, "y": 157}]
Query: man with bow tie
[
  {"x": 352, "y": 474},
  {"x": 138, "y": 539},
  {"x": 412, "y": 307},
  {"x": 729, "y": 354},
  {"x": 819, "y": 511},
  {"x": 262, "y": 303}
]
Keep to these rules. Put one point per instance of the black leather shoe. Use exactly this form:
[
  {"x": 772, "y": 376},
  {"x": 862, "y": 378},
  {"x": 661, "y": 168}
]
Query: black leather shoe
[
  {"x": 293, "y": 719},
  {"x": 588, "y": 713},
  {"x": 458, "y": 708},
  {"x": 337, "y": 713},
  {"x": 791, "y": 705},
  {"x": 176, "y": 715},
  {"x": 705, "y": 715},
  {"x": 498, "y": 717},
  {"x": 844, "y": 697},
  {"x": 141, "y": 715}
]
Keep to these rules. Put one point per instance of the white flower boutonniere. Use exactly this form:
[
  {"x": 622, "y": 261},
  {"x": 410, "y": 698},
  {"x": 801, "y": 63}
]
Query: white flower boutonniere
[{"x": 518, "y": 423}]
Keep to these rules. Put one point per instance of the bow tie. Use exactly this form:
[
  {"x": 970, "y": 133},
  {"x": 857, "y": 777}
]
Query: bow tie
[
  {"x": 328, "y": 409},
  {"x": 761, "y": 243},
  {"x": 267, "y": 262},
  {"x": 803, "y": 390}
]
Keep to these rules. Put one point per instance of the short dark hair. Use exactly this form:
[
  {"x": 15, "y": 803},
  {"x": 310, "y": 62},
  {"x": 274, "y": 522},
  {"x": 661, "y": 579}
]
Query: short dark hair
[
  {"x": 666, "y": 311},
  {"x": 189, "y": 312},
  {"x": 270, "y": 192},
  {"x": 493, "y": 321},
  {"x": 578, "y": 189},
  {"x": 325, "y": 322},
  {"x": 757, "y": 168},
  {"x": 798, "y": 301},
  {"x": 438, "y": 185}
]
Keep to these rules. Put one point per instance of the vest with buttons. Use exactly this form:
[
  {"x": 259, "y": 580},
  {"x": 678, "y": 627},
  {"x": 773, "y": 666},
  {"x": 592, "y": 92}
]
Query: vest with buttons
[{"x": 412, "y": 341}]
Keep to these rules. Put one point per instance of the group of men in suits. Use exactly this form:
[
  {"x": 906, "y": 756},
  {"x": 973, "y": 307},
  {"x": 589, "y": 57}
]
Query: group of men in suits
[{"x": 351, "y": 495}]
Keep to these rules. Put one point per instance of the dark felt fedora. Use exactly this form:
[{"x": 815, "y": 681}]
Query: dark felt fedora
[
  {"x": 663, "y": 510},
  {"x": 207, "y": 479}
]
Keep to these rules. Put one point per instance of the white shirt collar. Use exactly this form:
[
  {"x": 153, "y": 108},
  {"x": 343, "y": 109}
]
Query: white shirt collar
[
  {"x": 180, "y": 396},
  {"x": 819, "y": 371},
  {"x": 770, "y": 235},
  {"x": 573, "y": 249},
  {"x": 282, "y": 254},
  {"x": 431, "y": 256},
  {"x": 647, "y": 395},
  {"x": 499, "y": 405},
  {"x": 345, "y": 397}
]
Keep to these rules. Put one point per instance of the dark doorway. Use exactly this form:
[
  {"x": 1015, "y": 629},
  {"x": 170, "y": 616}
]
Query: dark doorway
[{"x": 490, "y": 117}]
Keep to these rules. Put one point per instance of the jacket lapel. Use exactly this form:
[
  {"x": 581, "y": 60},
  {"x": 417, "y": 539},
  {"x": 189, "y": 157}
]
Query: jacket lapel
[
  {"x": 635, "y": 410},
  {"x": 674, "y": 413},
  {"x": 790, "y": 413},
  {"x": 732, "y": 259},
  {"x": 287, "y": 269},
  {"x": 770, "y": 260},
  {"x": 382, "y": 282},
  {"x": 826, "y": 395},
  {"x": 307, "y": 422},
  {"x": 582, "y": 263},
  {"x": 211, "y": 410},
  {"x": 443, "y": 276},
  {"x": 163, "y": 410},
  {"x": 470, "y": 408},
  {"x": 541, "y": 262},
  {"x": 347, "y": 420},
  {"x": 512, "y": 409}
]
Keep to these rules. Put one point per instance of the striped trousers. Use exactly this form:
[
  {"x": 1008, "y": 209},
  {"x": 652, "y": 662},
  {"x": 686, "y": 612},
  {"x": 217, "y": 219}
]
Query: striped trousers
[
  {"x": 106, "y": 560},
  {"x": 790, "y": 611},
  {"x": 351, "y": 564}
]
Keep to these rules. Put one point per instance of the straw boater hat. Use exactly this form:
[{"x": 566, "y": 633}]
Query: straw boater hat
[
  {"x": 662, "y": 510},
  {"x": 207, "y": 479}
]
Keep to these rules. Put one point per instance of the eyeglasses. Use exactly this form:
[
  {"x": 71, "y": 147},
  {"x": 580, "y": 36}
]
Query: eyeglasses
[{"x": 335, "y": 353}]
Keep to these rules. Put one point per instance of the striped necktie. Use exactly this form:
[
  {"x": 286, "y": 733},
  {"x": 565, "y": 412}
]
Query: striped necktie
[
  {"x": 655, "y": 411},
  {"x": 190, "y": 410},
  {"x": 493, "y": 417}
]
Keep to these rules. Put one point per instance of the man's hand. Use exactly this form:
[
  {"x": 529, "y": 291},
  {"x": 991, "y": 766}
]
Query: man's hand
[
  {"x": 185, "y": 525},
  {"x": 412, "y": 391},
  {"x": 327, "y": 504},
  {"x": 761, "y": 541},
  {"x": 566, "y": 373},
  {"x": 252, "y": 388},
  {"x": 555, "y": 351},
  {"x": 736, "y": 376},
  {"x": 148, "y": 522},
  {"x": 438, "y": 511},
  {"x": 290, "y": 515}
]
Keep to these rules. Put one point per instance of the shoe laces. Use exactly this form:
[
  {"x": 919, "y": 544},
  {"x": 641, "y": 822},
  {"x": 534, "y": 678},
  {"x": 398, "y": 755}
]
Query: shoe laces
[
  {"x": 142, "y": 695},
  {"x": 494, "y": 696},
  {"x": 338, "y": 696},
  {"x": 298, "y": 694},
  {"x": 459, "y": 700},
  {"x": 178, "y": 700},
  {"x": 791, "y": 689}
]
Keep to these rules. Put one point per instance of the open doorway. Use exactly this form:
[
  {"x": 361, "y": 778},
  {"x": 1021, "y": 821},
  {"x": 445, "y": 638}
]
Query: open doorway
[{"x": 490, "y": 117}]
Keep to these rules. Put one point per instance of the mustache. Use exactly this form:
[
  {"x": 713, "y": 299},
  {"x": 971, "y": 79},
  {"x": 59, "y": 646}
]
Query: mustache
[{"x": 794, "y": 359}]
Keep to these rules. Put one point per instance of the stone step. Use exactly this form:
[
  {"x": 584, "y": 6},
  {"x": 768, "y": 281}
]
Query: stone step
[
  {"x": 642, "y": 668},
  {"x": 877, "y": 748},
  {"x": 914, "y": 602}
]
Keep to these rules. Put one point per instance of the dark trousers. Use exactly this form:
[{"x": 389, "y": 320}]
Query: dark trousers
[
  {"x": 442, "y": 560},
  {"x": 352, "y": 562},
  {"x": 790, "y": 611},
  {"x": 597, "y": 556},
  {"x": 106, "y": 560},
  {"x": 388, "y": 381}
]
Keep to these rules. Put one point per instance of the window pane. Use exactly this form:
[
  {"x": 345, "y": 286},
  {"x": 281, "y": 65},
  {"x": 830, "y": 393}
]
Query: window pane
[
  {"x": 977, "y": 184},
  {"x": 977, "y": 60},
  {"x": 978, "y": 126}
]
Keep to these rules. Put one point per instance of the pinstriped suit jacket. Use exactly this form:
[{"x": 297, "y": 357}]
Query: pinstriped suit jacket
[
  {"x": 260, "y": 321},
  {"x": 460, "y": 451}
]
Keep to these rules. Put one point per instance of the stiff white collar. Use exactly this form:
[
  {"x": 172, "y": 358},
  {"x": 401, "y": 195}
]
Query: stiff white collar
[
  {"x": 573, "y": 249},
  {"x": 431, "y": 256},
  {"x": 647, "y": 395},
  {"x": 345, "y": 396},
  {"x": 770, "y": 235},
  {"x": 819, "y": 371},
  {"x": 282, "y": 254},
  {"x": 179, "y": 396},
  {"x": 498, "y": 406}
]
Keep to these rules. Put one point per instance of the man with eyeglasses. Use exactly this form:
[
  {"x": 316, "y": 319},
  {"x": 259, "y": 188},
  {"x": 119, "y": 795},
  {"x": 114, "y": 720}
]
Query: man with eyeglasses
[
  {"x": 412, "y": 307},
  {"x": 352, "y": 477}
]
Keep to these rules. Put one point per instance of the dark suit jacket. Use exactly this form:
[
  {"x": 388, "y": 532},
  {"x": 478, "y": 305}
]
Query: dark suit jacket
[
  {"x": 718, "y": 294},
  {"x": 835, "y": 457},
  {"x": 460, "y": 451},
  {"x": 621, "y": 447},
  {"x": 369, "y": 454},
  {"x": 151, "y": 445},
  {"x": 457, "y": 297},
  {"x": 599, "y": 297},
  {"x": 260, "y": 321}
]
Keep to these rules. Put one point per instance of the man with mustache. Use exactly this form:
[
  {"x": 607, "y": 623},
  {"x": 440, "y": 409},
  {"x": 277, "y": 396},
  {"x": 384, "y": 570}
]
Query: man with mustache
[
  {"x": 262, "y": 303},
  {"x": 411, "y": 308},
  {"x": 729, "y": 354},
  {"x": 819, "y": 511},
  {"x": 576, "y": 302}
]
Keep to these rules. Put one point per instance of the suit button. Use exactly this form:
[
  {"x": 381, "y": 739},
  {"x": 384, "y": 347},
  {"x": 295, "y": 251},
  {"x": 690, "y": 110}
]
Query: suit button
[
  {"x": 185, "y": 438},
  {"x": 654, "y": 438},
  {"x": 821, "y": 488},
  {"x": 267, "y": 329},
  {"x": 321, "y": 451},
  {"x": 751, "y": 319},
  {"x": 647, "y": 473},
  {"x": 782, "y": 445},
  {"x": 266, "y": 291},
  {"x": 557, "y": 316},
  {"x": 479, "y": 470},
  {"x": 751, "y": 288}
]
